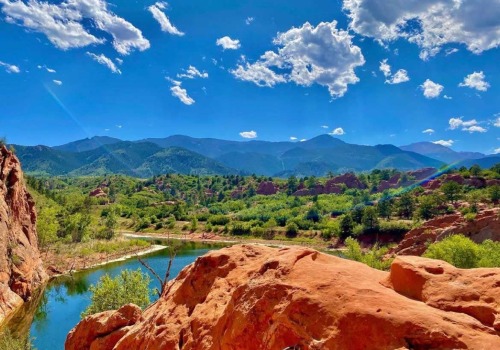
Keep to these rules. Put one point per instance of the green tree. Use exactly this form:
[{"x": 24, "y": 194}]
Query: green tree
[
  {"x": 292, "y": 185},
  {"x": 494, "y": 193},
  {"x": 452, "y": 191},
  {"x": 112, "y": 293},
  {"x": 384, "y": 207},
  {"x": 346, "y": 226},
  {"x": 406, "y": 205},
  {"x": 357, "y": 213},
  {"x": 475, "y": 170},
  {"x": 428, "y": 207},
  {"x": 370, "y": 218},
  {"x": 47, "y": 226},
  {"x": 313, "y": 215}
]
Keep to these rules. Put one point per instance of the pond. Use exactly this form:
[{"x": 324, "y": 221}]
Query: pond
[{"x": 53, "y": 313}]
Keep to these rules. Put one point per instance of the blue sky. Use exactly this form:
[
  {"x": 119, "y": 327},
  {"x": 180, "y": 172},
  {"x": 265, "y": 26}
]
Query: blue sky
[{"x": 369, "y": 72}]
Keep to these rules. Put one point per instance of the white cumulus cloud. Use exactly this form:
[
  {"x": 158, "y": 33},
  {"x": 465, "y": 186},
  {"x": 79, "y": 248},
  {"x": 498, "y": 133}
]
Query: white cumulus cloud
[
  {"x": 475, "y": 128},
  {"x": 430, "y": 24},
  {"x": 248, "y": 134},
  {"x": 308, "y": 55},
  {"x": 496, "y": 151},
  {"x": 249, "y": 20},
  {"x": 476, "y": 81},
  {"x": 10, "y": 68},
  {"x": 446, "y": 143},
  {"x": 401, "y": 76},
  {"x": 191, "y": 73},
  {"x": 456, "y": 123},
  {"x": 65, "y": 23},
  {"x": 431, "y": 89},
  {"x": 162, "y": 19},
  {"x": 497, "y": 122},
  {"x": 338, "y": 132},
  {"x": 293, "y": 138},
  {"x": 228, "y": 44},
  {"x": 57, "y": 82},
  {"x": 181, "y": 94},
  {"x": 466, "y": 125},
  {"x": 428, "y": 131},
  {"x": 105, "y": 61}
]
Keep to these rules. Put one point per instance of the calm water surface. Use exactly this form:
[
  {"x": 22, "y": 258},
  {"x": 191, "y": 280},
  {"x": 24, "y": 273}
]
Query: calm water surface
[{"x": 58, "y": 309}]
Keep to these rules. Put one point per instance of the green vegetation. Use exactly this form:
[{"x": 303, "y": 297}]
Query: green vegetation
[
  {"x": 373, "y": 257},
  {"x": 461, "y": 252},
  {"x": 72, "y": 222},
  {"x": 10, "y": 342},
  {"x": 112, "y": 293}
]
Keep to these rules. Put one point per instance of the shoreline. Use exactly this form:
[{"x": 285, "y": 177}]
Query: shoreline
[
  {"x": 129, "y": 255},
  {"x": 278, "y": 244}
]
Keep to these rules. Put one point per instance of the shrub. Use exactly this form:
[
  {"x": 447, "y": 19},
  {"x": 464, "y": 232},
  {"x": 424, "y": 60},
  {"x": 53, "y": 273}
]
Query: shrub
[
  {"x": 257, "y": 231},
  {"x": 394, "y": 227},
  {"x": 112, "y": 293},
  {"x": 219, "y": 220},
  {"x": 292, "y": 230},
  {"x": 457, "y": 250},
  {"x": 462, "y": 252},
  {"x": 10, "y": 342},
  {"x": 269, "y": 234},
  {"x": 470, "y": 216},
  {"x": 240, "y": 228},
  {"x": 373, "y": 257}
]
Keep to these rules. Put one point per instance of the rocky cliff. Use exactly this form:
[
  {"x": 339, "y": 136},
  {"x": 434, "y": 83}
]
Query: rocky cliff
[
  {"x": 21, "y": 268},
  {"x": 256, "y": 297},
  {"x": 486, "y": 225}
]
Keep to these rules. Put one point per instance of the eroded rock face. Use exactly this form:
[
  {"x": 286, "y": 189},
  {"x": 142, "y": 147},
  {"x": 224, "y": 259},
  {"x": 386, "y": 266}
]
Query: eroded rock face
[
  {"x": 255, "y": 297},
  {"x": 21, "y": 269},
  {"x": 486, "y": 225}
]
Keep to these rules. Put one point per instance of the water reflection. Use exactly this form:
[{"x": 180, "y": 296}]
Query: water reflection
[{"x": 51, "y": 315}]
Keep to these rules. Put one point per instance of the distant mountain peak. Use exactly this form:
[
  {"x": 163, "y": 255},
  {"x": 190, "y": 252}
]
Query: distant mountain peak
[
  {"x": 87, "y": 144},
  {"x": 440, "y": 152}
]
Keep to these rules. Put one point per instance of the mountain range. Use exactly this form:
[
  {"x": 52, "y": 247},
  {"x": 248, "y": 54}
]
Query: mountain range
[{"x": 202, "y": 156}]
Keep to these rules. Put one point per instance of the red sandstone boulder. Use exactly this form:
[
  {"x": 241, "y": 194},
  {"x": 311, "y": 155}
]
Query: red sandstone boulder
[
  {"x": 256, "y": 297},
  {"x": 441, "y": 285},
  {"x": 267, "y": 188},
  {"x": 104, "y": 329},
  {"x": 21, "y": 269}
]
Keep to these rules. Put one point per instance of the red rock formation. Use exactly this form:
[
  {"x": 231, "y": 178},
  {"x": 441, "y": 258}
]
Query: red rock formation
[
  {"x": 333, "y": 188},
  {"x": 350, "y": 180},
  {"x": 454, "y": 177},
  {"x": 256, "y": 297},
  {"x": 432, "y": 185},
  {"x": 477, "y": 182},
  {"x": 486, "y": 225},
  {"x": 21, "y": 269},
  {"x": 98, "y": 192},
  {"x": 422, "y": 174},
  {"x": 267, "y": 188}
]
